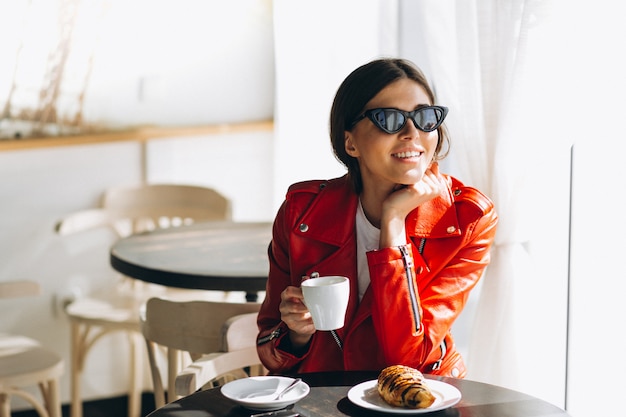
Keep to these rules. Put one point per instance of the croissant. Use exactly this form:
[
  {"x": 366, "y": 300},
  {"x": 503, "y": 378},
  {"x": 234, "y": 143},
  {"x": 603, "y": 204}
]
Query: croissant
[{"x": 403, "y": 386}]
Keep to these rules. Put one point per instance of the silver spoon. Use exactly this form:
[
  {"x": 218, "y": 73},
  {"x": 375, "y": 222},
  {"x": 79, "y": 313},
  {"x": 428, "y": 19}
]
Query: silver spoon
[
  {"x": 275, "y": 395},
  {"x": 288, "y": 388}
]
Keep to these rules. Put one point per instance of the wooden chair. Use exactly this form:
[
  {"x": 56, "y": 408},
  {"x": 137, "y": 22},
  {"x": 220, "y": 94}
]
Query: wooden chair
[
  {"x": 25, "y": 363},
  {"x": 238, "y": 351},
  {"x": 127, "y": 210},
  {"x": 187, "y": 330}
]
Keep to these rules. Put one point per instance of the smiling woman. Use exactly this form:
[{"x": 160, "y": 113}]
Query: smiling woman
[{"x": 78, "y": 67}]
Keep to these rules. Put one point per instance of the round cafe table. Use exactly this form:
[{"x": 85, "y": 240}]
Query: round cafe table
[
  {"x": 226, "y": 256},
  {"x": 328, "y": 397}
]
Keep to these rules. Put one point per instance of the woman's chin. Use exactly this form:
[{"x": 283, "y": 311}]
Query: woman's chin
[{"x": 409, "y": 180}]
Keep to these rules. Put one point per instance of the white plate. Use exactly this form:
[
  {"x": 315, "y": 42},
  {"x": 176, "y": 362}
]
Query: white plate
[
  {"x": 366, "y": 395},
  {"x": 242, "y": 391}
]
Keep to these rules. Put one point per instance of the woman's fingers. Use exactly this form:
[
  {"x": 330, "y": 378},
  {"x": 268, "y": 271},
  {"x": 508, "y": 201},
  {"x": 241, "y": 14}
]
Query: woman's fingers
[
  {"x": 293, "y": 311},
  {"x": 431, "y": 184}
]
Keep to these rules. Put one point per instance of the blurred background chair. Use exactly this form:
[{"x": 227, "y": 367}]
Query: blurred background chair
[
  {"x": 25, "y": 363},
  {"x": 127, "y": 210},
  {"x": 189, "y": 329}
]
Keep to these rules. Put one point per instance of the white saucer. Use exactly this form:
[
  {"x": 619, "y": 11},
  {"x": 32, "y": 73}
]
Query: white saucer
[
  {"x": 242, "y": 391},
  {"x": 366, "y": 395}
]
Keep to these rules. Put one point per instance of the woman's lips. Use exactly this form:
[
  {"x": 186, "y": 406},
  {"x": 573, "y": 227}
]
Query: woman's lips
[{"x": 411, "y": 154}]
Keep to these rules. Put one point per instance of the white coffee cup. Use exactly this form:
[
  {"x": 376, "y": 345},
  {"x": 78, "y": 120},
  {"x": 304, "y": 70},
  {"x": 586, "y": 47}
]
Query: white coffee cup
[{"x": 327, "y": 300}]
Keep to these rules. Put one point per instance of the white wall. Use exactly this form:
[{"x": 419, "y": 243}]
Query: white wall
[
  {"x": 310, "y": 65},
  {"x": 596, "y": 109},
  {"x": 238, "y": 165},
  {"x": 141, "y": 62}
]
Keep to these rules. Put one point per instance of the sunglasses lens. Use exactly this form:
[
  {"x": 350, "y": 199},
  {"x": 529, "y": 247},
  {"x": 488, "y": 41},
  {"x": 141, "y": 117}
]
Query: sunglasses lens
[
  {"x": 428, "y": 119},
  {"x": 389, "y": 120}
]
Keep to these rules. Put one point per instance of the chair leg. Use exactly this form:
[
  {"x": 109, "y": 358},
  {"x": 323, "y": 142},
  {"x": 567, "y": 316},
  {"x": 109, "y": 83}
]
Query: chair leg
[
  {"x": 136, "y": 374},
  {"x": 77, "y": 362},
  {"x": 80, "y": 344},
  {"x": 173, "y": 366},
  {"x": 5, "y": 405},
  {"x": 40, "y": 408},
  {"x": 51, "y": 397},
  {"x": 157, "y": 382}
]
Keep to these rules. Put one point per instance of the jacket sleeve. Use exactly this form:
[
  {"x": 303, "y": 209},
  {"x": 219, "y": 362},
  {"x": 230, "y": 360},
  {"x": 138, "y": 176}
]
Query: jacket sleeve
[
  {"x": 273, "y": 345},
  {"x": 431, "y": 298}
]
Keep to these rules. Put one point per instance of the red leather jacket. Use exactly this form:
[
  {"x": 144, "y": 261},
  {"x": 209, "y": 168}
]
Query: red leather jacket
[{"x": 416, "y": 291}]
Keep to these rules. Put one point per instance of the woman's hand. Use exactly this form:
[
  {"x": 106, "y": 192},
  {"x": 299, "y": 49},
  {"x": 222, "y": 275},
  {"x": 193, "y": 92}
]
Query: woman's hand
[
  {"x": 403, "y": 200},
  {"x": 296, "y": 316}
]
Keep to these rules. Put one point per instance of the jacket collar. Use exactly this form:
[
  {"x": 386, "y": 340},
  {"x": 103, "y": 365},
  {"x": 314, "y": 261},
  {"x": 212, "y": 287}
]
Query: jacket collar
[{"x": 330, "y": 217}]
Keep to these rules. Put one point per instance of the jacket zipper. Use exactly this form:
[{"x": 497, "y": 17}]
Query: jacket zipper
[
  {"x": 337, "y": 339},
  {"x": 408, "y": 265},
  {"x": 420, "y": 249},
  {"x": 273, "y": 335},
  {"x": 444, "y": 350}
]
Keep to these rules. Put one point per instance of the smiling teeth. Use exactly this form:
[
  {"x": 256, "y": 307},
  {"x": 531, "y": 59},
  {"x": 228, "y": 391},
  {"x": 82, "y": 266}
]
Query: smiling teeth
[{"x": 407, "y": 154}]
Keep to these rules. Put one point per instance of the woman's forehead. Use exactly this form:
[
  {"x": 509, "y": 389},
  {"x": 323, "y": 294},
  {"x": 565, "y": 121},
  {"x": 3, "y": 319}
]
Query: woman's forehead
[{"x": 405, "y": 94}]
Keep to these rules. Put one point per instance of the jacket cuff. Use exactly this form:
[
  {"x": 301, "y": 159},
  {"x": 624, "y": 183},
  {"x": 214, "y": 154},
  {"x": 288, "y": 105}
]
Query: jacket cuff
[
  {"x": 284, "y": 345},
  {"x": 279, "y": 337},
  {"x": 385, "y": 255}
]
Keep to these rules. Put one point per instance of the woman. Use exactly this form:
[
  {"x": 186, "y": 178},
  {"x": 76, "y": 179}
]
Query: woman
[{"x": 412, "y": 241}]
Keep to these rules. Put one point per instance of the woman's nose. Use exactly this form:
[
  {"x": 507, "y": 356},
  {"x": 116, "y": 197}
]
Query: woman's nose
[{"x": 410, "y": 131}]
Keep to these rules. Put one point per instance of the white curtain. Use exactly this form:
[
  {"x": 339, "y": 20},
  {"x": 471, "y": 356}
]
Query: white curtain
[
  {"x": 502, "y": 34},
  {"x": 483, "y": 56}
]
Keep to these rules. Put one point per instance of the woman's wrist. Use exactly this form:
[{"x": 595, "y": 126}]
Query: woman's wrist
[{"x": 392, "y": 233}]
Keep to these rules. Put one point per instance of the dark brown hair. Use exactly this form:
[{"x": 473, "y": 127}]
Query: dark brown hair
[{"x": 357, "y": 90}]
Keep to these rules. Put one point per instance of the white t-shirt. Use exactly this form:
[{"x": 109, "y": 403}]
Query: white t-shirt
[{"x": 367, "y": 239}]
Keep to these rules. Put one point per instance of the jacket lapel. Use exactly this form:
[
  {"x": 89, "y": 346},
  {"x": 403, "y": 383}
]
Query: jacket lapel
[{"x": 330, "y": 217}]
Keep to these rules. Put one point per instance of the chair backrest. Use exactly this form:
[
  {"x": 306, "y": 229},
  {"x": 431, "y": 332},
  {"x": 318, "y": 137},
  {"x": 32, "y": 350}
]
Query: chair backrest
[
  {"x": 165, "y": 205},
  {"x": 238, "y": 351},
  {"x": 239, "y": 332},
  {"x": 192, "y": 328},
  {"x": 133, "y": 209}
]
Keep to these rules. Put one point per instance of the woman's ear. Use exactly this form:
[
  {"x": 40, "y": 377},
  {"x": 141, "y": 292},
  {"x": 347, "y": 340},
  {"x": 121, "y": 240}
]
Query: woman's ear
[{"x": 349, "y": 145}]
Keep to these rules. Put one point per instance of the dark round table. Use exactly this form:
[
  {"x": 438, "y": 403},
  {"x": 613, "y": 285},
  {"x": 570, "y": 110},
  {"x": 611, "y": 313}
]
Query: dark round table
[
  {"x": 328, "y": 397},
  {"x": 226, "y": 256}
]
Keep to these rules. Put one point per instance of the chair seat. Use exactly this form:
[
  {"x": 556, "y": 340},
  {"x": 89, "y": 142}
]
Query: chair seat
[
  {"x": 121, "y": 311},
  {"x": 114, "y": 308},
  {"x": 23, "y": 363},
  {"x": 120, "y": 314}
]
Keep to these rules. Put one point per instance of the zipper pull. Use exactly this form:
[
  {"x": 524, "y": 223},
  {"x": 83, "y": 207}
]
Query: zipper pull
[{"x": 273, "y": 335}]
